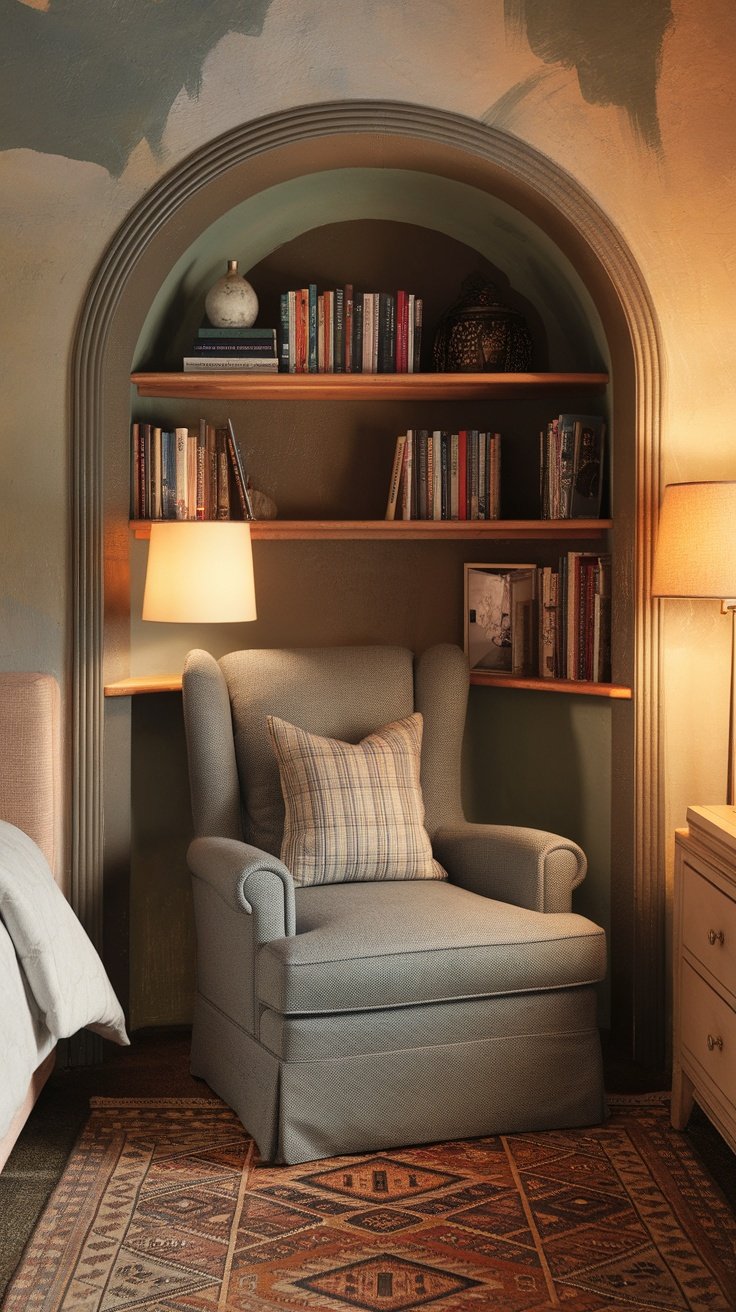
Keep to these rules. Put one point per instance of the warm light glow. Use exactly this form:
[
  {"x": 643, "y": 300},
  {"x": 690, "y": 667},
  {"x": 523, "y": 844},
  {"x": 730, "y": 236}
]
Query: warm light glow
[
  {"x": 696, "y": 543},
  {"x": 200, "y": 573}
]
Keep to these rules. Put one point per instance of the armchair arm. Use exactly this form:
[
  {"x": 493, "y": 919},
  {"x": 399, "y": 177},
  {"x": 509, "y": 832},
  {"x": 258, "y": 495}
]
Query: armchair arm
[
  {"x": 248, "y": 880},
  {"x": 527, "y": 867}
]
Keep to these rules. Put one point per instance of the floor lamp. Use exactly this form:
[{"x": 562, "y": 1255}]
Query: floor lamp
[
  {"x": 696, "y": 557},
  {"x": 200, "y": 572}
]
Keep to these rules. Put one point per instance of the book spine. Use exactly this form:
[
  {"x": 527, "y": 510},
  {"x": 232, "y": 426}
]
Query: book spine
[
  {"x": 368, "y": 333},
  {"x": 402, "y": 332},
  {"x": 196, "y": 364},
  {"x": 182, "y": 496},
  {"x": 411, "y": 299},
  {"x": 135, "y": 460},
  {"x": 462, "y": 474},
  {"x": 393, "y": 491},
  {"x": 374, "y": 344},
  {"x": 291, "y": 301},
  {"x": 444, "y": 476},
  {"x": 211, "y": 475},
  {"x": 239, "y": 334},
  {"x": 302, "y": 329},
  {"x": 168, "y": 475},
  {"x": 418, "y": 315},
  {"x": 407, "y": 479},
  {"x": 349, "y": 307},
  {"x": 145, "y": 470},
  {"x": 201, "y": 471},
  {"x": 482, "y": 453},
  {"x": 312, "y": 328},
  {"x": 241, "y": 481},
  {"x": 422, "y": 452},
  {"x": 223, "y": 481},
  {"x": 246, "y": 349},
  {"x": 473, "y": 474},
  {"x": 358, "y": 333},
  {"x": 156, "y": 511},
  {"x": 454, "y": 470},
  {"x": 339, "y": 341}
]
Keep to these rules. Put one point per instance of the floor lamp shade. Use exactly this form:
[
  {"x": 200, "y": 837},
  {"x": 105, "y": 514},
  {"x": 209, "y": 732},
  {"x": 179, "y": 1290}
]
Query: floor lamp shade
[
  {"x": 696, "y": 542},
  {"x": 200, "y": 573}
]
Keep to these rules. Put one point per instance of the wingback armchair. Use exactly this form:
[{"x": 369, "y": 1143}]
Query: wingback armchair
[{"x": 342, "y": 1017}]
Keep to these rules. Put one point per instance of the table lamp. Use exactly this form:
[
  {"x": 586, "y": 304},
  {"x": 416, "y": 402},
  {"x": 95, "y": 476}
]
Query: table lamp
[
  {"x": 200, "y": 573},
  {"x": 696, "y": 557}
]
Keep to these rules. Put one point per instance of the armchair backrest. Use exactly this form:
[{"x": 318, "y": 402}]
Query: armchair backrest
[{"x": 340, "y": 692}]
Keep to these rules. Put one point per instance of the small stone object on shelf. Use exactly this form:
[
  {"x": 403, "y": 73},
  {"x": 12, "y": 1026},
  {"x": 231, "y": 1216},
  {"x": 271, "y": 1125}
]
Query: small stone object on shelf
[
  {"x": 231, "y": 302},
  {"x": 264, "y": 507},
  {"x": 479, "y": 334}
]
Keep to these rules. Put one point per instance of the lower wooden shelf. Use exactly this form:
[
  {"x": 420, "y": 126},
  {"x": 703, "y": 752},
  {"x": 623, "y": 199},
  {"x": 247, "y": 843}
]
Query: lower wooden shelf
[
  {"x": 486, "y": 678},
  {"x": 148, "y": 683}
]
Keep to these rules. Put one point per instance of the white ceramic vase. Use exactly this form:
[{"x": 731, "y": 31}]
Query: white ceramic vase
[{"x": 231, "y": 301}]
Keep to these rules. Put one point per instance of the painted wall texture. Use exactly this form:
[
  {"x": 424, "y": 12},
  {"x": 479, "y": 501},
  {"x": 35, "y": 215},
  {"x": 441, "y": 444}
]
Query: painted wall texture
[{"x": 635, "y": 100}]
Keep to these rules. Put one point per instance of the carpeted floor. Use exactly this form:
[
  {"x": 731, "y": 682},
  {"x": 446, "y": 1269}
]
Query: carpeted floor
[{"x": 163, "y": 1205}]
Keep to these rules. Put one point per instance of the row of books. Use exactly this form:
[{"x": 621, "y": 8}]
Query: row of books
[
  {"x": 542, "y": 621},
  {"x": 233, "y": 349},
  {"x": 571, "y": 467},
  {"x": 187, "y": 473},
  {"x": 443, "y": 475},
  {"x": 344, "y": 331}
]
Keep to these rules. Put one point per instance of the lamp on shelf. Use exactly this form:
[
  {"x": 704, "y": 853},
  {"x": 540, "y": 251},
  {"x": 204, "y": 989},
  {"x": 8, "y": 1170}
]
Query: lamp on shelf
[
  {"x": 200, "y": 573},
  {"x": 696, "y": 557}
]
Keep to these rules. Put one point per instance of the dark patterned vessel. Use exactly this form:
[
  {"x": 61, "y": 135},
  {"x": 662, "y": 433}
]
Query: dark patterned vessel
[{"x": 479, "y": 334}]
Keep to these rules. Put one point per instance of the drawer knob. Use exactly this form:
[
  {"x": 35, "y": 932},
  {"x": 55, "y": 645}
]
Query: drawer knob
[
  {"x": 715, "y": 936},
  {"x": 715, "y": 1043}
]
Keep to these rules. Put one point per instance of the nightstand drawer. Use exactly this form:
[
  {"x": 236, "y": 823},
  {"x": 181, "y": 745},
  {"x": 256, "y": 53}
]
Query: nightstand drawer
[
  {"x": 708, "y": 1031},
  {"x": 709, "y": 926}
]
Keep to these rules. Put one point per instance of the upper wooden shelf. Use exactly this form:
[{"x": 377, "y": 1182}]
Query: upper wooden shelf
[
  {"x": 421, "y": 530},
  {"x": 360, "y": 387}
]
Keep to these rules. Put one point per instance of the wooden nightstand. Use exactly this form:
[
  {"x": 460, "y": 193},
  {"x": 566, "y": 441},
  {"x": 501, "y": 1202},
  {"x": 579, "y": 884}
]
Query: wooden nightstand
[{"x": 704, "y": 962}]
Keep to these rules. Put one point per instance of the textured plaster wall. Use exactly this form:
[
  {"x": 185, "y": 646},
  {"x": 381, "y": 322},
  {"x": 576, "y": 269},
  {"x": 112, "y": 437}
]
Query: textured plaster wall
[{"x": 99, "y": 101}]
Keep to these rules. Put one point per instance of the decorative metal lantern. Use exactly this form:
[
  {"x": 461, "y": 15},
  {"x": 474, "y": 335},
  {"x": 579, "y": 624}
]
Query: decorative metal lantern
[{"x": 479, "y": 334}]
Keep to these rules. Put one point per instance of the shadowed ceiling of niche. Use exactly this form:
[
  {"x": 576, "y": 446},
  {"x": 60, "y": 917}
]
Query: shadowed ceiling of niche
[{"x": 416, "y": 230}]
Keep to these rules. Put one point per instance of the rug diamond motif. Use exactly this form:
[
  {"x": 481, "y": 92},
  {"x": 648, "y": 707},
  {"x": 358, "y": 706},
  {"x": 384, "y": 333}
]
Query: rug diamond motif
[
  {"x": 388, "y": 1282},
  {"x": 380, "y": 1179}
]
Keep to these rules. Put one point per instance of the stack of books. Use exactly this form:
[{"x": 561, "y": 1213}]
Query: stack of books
[
  {"x": 571, "y": 467},
  {"x": 344, "y": 331},
  {"x": 245, "y": 350},
  {"x": 442, "y": 475},
  {"x": 551, "y": 622}
]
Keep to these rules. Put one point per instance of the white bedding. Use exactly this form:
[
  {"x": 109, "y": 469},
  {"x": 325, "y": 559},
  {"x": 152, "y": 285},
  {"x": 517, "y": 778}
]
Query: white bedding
[{"x": 52, "y": 982}]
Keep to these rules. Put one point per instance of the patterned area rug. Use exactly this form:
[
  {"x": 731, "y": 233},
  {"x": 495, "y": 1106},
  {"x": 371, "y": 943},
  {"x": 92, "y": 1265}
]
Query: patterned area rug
[{"x": 164, "y": 1206}]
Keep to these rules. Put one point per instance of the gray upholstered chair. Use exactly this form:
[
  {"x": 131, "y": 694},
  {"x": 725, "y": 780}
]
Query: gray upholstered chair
[{"x": 350, "y": 1017}]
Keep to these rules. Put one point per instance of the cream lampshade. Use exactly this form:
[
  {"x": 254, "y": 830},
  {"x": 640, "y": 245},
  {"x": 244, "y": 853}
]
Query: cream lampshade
[
  {"x": 696, "y": 557},
  {"x": 200, "y": 573},
  {"x": 696, "y": 543}
]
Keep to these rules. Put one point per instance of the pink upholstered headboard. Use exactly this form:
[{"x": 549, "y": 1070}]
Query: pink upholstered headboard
[{"x": 30, "y": 760}]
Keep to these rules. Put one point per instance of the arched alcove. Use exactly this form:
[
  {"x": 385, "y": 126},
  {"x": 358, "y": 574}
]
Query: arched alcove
[{"x": 443, "y": 151}]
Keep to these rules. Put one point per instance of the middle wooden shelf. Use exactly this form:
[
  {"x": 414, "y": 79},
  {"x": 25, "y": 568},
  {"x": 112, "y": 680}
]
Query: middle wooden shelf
[{"x": 422, "y": 530}]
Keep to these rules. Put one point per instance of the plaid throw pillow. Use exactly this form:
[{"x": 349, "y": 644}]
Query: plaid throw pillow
[{"x": 353, "y": 811}]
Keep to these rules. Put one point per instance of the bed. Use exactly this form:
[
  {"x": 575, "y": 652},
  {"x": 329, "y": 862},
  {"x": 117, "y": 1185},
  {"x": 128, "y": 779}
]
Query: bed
[{"x": 52, "y": 982}]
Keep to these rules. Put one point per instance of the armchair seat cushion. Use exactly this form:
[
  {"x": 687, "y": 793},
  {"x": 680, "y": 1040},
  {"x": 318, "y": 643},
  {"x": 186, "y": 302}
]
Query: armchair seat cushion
[{"x": 365, "y": 946}]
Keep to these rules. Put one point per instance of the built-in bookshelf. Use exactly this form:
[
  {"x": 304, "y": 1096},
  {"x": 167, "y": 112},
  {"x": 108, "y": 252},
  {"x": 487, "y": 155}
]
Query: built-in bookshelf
[{"x": 390, "y": 387}]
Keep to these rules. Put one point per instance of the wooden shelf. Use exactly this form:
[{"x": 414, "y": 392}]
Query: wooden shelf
[
  {"x": 148, "y": 683},
  {"x": 213, "y": 386},
  {"x": 487, "y": 679},
  {"x": 139, "y": 683},
  {"x": 417, "y": 530}
]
